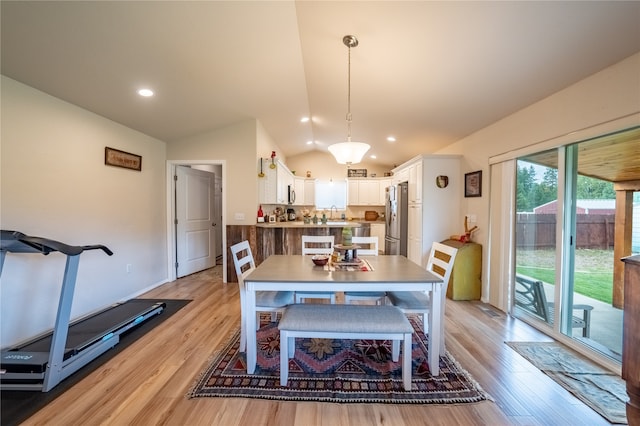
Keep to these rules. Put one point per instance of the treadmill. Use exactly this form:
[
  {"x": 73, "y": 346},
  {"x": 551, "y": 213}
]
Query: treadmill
[{"x": 43, "y": 362}]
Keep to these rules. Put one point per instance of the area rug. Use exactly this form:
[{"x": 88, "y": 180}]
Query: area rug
[
  {"x": 335, "y": 370},
  {"x": 602, "y": 390}
]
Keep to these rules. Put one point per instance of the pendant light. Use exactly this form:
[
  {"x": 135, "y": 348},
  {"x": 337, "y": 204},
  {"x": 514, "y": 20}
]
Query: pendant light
[{"x": 349, "y": 152}]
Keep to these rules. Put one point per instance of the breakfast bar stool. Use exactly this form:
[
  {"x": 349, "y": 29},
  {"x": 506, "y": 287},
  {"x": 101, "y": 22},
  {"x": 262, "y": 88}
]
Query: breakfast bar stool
[{"x": 316, "y": 244}]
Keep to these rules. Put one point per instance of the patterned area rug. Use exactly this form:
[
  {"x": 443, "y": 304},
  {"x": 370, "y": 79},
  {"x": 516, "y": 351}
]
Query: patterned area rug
[
  {"x": 597, "y": 387},
  {"x": 335, "y": 370}
]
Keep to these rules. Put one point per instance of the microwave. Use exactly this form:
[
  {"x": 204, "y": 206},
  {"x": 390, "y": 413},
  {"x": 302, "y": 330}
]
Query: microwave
[{"x": 291, "y": 194}]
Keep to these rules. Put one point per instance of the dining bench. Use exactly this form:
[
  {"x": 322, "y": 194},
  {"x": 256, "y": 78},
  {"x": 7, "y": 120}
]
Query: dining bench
[{"x": 381, "y": 322}]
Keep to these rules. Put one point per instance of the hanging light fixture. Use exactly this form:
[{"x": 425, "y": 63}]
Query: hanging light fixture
[{"x": 349, "y": 152}]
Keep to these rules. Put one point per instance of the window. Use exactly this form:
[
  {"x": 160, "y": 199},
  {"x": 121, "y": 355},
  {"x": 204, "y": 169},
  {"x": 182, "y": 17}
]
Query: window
[{"x": 331, "y": 193}]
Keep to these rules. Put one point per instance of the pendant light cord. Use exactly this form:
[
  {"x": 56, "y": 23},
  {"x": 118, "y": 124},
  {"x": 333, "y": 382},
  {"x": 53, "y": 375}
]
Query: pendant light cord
[{"x": 349, "y": 96}]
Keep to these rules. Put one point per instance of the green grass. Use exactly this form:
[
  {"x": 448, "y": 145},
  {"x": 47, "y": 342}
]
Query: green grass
[{"x": 595, "y": 284}]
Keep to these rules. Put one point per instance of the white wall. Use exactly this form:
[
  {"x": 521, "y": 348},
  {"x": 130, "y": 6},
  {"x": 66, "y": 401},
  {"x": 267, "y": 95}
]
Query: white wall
[
  {"x": 54, "y": 184},
  {"x": 237, "y": 145},
  {"x": 573, "y": 114}
]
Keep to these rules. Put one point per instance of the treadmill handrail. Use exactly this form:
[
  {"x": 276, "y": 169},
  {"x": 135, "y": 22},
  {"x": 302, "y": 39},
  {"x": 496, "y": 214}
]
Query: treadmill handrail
[{"x": 17, "y": 242}]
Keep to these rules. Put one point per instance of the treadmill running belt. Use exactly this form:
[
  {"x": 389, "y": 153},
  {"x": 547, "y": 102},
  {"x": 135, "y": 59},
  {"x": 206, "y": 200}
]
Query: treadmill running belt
[{"x": 86, "y": 330}]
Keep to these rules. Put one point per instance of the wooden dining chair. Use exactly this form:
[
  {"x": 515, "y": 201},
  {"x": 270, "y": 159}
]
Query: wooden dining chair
[
  {"x": 266, "y": 301},
  {"x": 440, "y": 263},
  {"x": 368, "y": 247},
  {"x": 311, "y": 245}
]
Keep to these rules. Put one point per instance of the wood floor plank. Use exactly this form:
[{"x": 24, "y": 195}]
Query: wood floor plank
[{"x": 148, "y": 382}]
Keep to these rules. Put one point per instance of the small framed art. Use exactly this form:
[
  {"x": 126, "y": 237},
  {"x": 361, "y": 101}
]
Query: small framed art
[
  {"x": 473, "y": 184},
  {"x": 115, "y": 157}
]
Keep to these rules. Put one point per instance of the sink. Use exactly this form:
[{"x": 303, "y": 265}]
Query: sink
[{"x": 338, "y": 222}]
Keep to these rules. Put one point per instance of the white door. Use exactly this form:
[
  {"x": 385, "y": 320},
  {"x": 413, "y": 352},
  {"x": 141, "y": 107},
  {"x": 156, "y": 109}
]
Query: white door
[{"x": 195, "y": 231}]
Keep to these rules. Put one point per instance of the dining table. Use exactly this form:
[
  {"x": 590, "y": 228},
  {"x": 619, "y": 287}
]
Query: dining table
[{"x": 383, "y": 273}]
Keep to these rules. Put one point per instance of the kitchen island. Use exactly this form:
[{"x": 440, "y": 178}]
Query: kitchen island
[{"x": 286, "y": 237}]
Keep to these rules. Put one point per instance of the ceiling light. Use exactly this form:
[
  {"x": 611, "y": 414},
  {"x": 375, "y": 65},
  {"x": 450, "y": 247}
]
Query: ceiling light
[
  {"x": 309, "y": 142},
  {"x": 349, "y": 152},
  {"x": 145, "y": 92},
  {"x": 304, "y": 120},
  {"x": 391, "y": 139}
]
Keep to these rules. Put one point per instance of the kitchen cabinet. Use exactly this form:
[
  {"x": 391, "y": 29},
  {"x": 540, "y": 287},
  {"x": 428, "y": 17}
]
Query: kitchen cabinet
[
  {"x": 309, "y": 192},
  {"x": 305, "y": 190},
  {"x": 274, "y": 186},
  {"x": 434, "y": 213},
  {"x": 465, "y": 282},
  {"x": 365, "y": 192},
  {"x": 414, "y": 234},
  {"x": 384, "y": 184},
  {"x": 299, "y": 189},
  {"x": 377, "y": 230},
  {"x": 400, "y": 174},
  {"x": 415, "y": 182}
]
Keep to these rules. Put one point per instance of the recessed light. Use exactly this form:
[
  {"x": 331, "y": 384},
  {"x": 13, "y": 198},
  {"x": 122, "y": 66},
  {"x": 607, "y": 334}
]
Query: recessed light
[
  {"x": 304, "y": 119},
  {"x": 145, "y": 92},
  {"x": 374, "y": 157},
  {"x": 391, "y": 139},
  {"x": 309, "y": 142}
]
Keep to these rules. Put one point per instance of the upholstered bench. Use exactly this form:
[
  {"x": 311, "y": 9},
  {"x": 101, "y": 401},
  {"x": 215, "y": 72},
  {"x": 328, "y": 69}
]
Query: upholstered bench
[{"x": 345, "y": 322}]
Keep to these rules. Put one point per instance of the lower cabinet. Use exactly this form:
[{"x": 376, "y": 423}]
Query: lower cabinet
[
  {"x": 465, "y": 282},
  {"x": 377, "y": 230},
  {"x": 631, "y": 337}
]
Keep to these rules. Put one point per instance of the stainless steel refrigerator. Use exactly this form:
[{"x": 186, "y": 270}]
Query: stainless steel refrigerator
[{"x": 396, "y": 210}]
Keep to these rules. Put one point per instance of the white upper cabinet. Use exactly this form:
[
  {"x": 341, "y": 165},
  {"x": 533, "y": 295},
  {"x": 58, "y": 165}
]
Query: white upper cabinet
[
  {"x": 274, "y": 185},
  {"x": 366, "y": 192},
  {"x": 309, "y": 192},
  {"x": 305, "y": 190}
]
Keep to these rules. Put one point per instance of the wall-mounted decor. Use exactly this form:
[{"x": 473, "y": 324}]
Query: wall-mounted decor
[
  {"x": 473, "y": 184},
  {"x": 115, "y": 157},
  {"x": 357, "y": 173},
  {"x": 442, "y": 181}
]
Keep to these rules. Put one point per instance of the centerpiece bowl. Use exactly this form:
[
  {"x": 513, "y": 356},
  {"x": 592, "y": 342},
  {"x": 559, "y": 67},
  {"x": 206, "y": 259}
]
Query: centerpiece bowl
[{"x": 320, "y": 260}]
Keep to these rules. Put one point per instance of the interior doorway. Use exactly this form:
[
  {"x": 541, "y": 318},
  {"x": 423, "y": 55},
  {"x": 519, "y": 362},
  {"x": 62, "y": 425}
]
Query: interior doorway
[{"x": 217, "y": 221}]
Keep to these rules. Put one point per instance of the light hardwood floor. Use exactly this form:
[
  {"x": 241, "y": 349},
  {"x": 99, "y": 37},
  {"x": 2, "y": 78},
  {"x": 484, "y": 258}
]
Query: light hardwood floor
[{"x": 146, "y": 384}]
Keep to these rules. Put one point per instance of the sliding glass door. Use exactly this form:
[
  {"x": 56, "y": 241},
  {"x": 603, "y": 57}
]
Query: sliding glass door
[
  {"x": 535, "y": 245},
  {"x": 568, "y": 222}
]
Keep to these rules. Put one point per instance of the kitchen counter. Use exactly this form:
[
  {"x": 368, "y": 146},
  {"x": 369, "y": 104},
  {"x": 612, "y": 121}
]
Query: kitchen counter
[
  {"x": 286, "y": 237},
  {"x": 301, "y": 224}
]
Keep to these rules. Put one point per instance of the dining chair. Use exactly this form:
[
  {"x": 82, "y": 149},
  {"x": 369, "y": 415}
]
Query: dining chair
[
  {"x": 371, "y": 249},
  {"x": 440, "y": 263},
  {"x": 266, "y": 301},
  {"x": 316, "y": 244}
]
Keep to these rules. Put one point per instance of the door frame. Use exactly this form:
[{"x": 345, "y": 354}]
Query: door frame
[{"x": 171, "y": 217}]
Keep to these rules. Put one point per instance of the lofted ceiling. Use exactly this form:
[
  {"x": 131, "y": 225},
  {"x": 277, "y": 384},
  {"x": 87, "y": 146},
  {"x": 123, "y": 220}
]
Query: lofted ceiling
[{"x": 426, "y": 72}]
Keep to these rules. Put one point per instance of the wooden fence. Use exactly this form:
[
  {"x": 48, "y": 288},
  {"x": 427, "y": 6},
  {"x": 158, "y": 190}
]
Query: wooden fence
[{"x": 538, "y": 231}]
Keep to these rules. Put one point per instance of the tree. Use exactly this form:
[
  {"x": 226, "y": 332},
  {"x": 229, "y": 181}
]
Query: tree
[
  {"x": 525, "y": 183},
  {"x": 591, "y": 189}
]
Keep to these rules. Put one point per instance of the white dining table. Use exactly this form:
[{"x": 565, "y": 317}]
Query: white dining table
[{"x": 298, "y": 273}]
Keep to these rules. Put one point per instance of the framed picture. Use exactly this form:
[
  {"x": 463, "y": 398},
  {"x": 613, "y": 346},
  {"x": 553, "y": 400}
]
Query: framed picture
[
  {"x": 115, "y": 157},
  {"x": 473, "y": 184},
  {"x": 357, "y": 173}
]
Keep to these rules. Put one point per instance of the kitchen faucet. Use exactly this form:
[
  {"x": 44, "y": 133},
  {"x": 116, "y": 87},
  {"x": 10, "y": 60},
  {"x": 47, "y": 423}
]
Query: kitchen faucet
[{"x": 331, "y": 210}]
